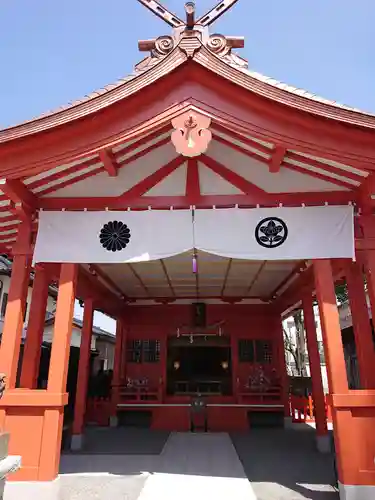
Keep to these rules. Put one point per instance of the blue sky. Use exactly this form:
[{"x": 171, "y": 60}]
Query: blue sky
[{"x": 52, "y": 52}]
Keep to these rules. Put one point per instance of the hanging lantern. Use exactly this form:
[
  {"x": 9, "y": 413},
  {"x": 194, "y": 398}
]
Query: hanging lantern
[
  {"x": 224, "y": 365},
  {"x": 195, "y": 263},
  {"x": 176, "y": 365}
]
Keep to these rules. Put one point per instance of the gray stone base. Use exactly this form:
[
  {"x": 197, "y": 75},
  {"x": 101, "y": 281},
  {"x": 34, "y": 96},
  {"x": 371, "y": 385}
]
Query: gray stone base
[
  {"x": 348, "y": 492},
  {"x": 323, "y": 443},
  {"x": 76, "y": 443},
  {"x": 113, "y": 421}
]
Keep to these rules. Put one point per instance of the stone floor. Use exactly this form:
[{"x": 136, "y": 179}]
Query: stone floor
[{"x": 259, "y": 465}]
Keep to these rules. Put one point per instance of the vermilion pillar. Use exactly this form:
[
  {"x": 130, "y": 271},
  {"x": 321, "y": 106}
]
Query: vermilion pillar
[
  {"x": 35, "y": 329},
  {"x": 116, "y": 380},
  {"x": 83, "y": 375},
  {"x": 335, "y": 362},
  {"x": 361, "y": 325},
  {"x": 15, "y": 311},
  {"x": 58, "y": 371},
  {"x": 322, "y": 437}
]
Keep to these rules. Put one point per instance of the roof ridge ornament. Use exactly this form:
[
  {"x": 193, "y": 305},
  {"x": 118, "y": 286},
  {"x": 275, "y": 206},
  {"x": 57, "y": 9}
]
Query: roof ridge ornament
[{"x": 186, "y": 32}]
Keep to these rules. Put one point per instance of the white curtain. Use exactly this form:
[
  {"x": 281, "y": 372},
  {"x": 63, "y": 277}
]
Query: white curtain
[
  {"x": 253, "y": 234},
  {"x": 112, "y": 237},
  {"x": 276, "y": 233}
]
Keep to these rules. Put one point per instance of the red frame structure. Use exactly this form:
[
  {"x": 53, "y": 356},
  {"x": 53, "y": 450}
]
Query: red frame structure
[{"x": 280, "y": 128}]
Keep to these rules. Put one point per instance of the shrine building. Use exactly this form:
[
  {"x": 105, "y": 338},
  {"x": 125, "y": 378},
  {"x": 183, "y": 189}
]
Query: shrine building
[{"x": 198, "y": 203}]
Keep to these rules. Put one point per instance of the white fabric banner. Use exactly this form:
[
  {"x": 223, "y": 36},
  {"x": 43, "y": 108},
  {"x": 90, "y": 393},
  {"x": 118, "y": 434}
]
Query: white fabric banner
[
  {"x": 112, "y": 237},
  {"x": 277, "y": 233},
  {"x": 253, "y": 234}
]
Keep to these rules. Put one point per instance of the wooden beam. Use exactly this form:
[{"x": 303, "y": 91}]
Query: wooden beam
[
  {"x": 230, "y": 262},
  {"x": 277, "y": 158},
  {"x": 193, "y": 191},
  {"x": 17, "y": 192},
  {"x": 149, "y": 182},
  {"x": 163, "y": 13},
  {"x": 236, "y": 180},
  {"x": 256, "y": 277},
  {"x": 109, "y": 162},
  {"x": 96, "y": 270},
  {"x": 167, "y": 277},
  {"x": 213, "y": 15}
]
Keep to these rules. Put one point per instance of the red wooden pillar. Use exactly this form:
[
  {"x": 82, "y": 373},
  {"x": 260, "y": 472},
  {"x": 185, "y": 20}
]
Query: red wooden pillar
[
  {"x": 116, "y": 380},
  {"x": 83, "y": 375},
  {"x": 15, "y": 311},
  {"x": 58, "y": 372},
  {"x": 335, "y": 362},
  {"x": 35, "y": 329},
  {"x": 361, "y": 325},
  {"x": 322, "y": 437},
  {"x": 284, "y": 378}
]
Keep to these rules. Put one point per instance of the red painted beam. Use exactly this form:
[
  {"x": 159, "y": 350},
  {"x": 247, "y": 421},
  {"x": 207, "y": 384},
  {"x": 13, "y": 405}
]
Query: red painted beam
[
  {"x": 193, "y": 190},
  {"x": 109, "y": 162},
  {"x": 220, "y": 201},
  {"x": 277, "y": 158},
  {"x": 149, "y": 182},
  {"x": 236, "y": 180},
  {"x": 17, "y": 192}
]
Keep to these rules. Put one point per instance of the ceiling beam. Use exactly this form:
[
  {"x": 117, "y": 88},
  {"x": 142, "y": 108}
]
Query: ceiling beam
[
  {"x": 167, "y": 277},
  {"x": 109, "y": 162},
  {"x": 276, "y": 159},
  {"x": 139, "y": 279},
  {"x": 96, "y": 270},
  {"x": 230, "y": 262},
  {"x": 256, "y": 277}
]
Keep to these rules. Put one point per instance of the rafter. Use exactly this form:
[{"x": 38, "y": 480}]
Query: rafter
[
  {"x": 149, "y": 182},
  {"x": 327, "y": 168},
  {"x": 227, "y": 271},
  {"x": 241, "y": 138},
  {"x": 109, "y": 162},
  {"x": 251, "y": 154},
  {"x": 213, "y": 15},
  {"x": 318, "y": 175},
  {"x": 167, "y": 277},
  {"x": 96, "y": 270},
  {"x": 256, "y": 277},
  {"x": 236, "y": 180},
  {"x": 17, "y": 193},
  {"x": 163, "y": 13},
  {"x": 139, "y": 279},
  {"x": 277, "y": 158}
]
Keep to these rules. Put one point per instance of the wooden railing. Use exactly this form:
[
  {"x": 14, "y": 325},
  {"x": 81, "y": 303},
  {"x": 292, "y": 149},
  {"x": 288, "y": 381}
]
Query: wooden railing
[{"x": 302, "y": 409}]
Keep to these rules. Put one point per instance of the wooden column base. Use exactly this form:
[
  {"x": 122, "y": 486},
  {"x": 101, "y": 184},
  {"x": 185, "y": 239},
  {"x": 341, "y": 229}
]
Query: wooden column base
[{"x": 34, "y": 419}]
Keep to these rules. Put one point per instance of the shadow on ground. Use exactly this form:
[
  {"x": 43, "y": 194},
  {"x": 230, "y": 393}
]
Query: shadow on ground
[{"x": 284, "y": 464}]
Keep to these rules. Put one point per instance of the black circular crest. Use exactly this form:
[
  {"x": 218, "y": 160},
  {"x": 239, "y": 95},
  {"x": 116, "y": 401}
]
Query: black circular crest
[
  {"x": 271, "y": 232},
  {"x": 114, "y": 236}
]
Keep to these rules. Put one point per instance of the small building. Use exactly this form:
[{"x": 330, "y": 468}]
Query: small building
[{"x": 199, "y": 204}]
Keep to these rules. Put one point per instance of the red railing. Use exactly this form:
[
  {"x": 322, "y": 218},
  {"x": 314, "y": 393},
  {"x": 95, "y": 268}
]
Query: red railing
[{"x": 302, "y": 409}]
